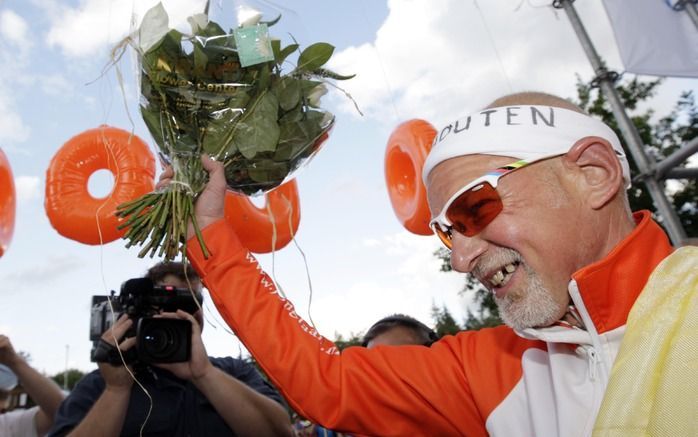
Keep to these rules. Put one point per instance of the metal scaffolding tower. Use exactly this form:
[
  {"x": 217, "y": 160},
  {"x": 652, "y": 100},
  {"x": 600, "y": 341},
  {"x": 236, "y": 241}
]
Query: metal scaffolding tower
[{"x": 652, "y": 174}]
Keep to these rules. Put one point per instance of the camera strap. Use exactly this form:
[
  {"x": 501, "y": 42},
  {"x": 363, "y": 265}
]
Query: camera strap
[{"x": 104, "y": 352}]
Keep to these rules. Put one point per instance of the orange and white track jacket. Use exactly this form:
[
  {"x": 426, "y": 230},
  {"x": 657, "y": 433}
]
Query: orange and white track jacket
[{"x": 539, "y": 382}]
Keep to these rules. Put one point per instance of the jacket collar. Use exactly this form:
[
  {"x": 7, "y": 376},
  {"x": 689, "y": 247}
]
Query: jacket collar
[{"x": 609, "y": 287}]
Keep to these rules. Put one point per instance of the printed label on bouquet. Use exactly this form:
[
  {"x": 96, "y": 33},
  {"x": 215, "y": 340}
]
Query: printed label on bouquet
[{"x": 253, "y": 44}]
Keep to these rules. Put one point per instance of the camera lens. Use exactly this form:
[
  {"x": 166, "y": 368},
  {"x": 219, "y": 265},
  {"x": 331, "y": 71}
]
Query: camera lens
[
  {"x": 163, "y": 340},
  {"x": 160, "y": 340}
]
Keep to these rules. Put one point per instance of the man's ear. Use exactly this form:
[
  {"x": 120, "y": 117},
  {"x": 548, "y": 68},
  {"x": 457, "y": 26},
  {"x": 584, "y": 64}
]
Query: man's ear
[{"x": 601, "y": 175}]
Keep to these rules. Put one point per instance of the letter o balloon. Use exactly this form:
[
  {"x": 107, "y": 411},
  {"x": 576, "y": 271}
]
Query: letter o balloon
[
  {"x": 71, "y": 209},
  {"x": 254, "y": 226},
  {"x": 8, "y": 203},
  {"x": 405, "y": 154}
]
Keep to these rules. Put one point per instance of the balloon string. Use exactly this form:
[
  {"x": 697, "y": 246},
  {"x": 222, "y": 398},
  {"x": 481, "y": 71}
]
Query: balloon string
[
  {"x": 305, "y": 259},
  {"x": 274, "y": 236}
]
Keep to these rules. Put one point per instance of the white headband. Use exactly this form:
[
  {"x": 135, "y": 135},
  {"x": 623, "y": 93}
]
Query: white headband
[{"x": 524, "y": 132}]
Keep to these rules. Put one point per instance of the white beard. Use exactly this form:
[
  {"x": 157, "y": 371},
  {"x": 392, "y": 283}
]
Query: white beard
[{"x": 532, "y": 307}]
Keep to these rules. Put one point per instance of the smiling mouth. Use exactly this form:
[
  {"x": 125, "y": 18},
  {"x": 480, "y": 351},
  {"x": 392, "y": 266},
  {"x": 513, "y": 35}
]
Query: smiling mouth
[{"x": 500, "y": 278}]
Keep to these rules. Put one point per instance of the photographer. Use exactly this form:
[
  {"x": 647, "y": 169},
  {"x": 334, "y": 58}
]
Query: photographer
[{"x": 202, "y": 396}]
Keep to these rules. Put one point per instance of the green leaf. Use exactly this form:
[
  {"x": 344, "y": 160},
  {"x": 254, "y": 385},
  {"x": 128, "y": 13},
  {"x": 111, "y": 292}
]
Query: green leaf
[
  {"x": 221, "y": 124},
  {"x": 323, "y": 72},
  {"x": 258, "y": 131},
  {"x": 264, "y": 77},
  {"x": 267, "y": 170},
  {"x": 151, "y": 117},
  {"x": 272, "y": 22},
  {"x": 212, "y": 29},
  {"x": 288, "y": 91},
  {"x": 292, "y": 116},
  {"x": 315, "y": 56},
  {"x": 276, "y": 49},
  {"x": 285, "y": 53},
  {"x": 200, "y": 60}
]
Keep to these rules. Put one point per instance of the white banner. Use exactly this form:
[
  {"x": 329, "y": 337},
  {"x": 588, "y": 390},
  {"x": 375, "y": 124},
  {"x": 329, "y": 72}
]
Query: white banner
[{"x": 653, "y": 38}]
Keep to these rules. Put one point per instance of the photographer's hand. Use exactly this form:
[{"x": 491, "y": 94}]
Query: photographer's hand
[
  {"x": 210, "y": 204},
  {"x": 198, "y": 365},
  {"x": 106, "y": 417},
  {"x": 118, "y": 378}
]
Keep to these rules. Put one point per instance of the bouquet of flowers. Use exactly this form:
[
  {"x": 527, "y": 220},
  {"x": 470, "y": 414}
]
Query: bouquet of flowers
[{"x": 223, "y": 93}]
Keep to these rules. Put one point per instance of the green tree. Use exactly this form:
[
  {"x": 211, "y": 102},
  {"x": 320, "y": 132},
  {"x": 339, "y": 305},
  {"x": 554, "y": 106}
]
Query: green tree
[
  {"x": 74, "y": 375},
  {"x": 486, "y": 315},
  {"x": 355, "y": 339},
  {"x": 661, "y": 138},
  {"x": 444, "y": 323}
]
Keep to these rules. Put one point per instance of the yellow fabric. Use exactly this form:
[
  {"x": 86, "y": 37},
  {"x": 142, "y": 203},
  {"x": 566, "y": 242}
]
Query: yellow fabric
[{"x": 653, "y": 387}]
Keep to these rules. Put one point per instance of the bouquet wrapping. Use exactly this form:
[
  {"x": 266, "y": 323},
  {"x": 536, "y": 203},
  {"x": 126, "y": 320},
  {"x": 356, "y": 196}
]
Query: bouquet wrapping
[{"x": 227, "y": 93}]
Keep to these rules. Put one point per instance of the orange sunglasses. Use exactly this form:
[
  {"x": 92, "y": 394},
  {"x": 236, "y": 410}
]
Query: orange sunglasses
[{"x": 473, "y": 207}]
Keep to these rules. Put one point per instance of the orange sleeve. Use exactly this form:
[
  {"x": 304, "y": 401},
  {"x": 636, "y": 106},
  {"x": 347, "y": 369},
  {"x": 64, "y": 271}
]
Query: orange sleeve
[{"x": 385, "y": 391}]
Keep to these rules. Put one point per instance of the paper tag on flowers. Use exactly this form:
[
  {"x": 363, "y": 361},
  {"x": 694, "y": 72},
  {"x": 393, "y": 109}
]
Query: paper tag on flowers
[{"x": 254, "y": 45}]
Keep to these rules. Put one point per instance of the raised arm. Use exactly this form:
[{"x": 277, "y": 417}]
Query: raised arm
[
  {"x": 384, "y": 391},
  {"x": 42, "y": 390}
]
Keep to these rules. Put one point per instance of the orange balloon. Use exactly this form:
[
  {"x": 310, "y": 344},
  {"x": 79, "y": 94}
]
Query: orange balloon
[
  {"x": 407, "y": 150},
  {"x": 254, "y": 226},
  {"x": 8, "y": 203},
  {"x": 71, "y": 209}
]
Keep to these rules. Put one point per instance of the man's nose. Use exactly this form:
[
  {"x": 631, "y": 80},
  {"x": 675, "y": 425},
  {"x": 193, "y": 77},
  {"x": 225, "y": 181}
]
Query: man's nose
[{"x": 465, "y": 252}]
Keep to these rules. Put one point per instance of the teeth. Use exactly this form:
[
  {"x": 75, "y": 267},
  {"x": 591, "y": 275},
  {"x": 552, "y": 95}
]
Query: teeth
[
  {"x": 502, "y": 276},
  {"x": 497, "y": 278}
]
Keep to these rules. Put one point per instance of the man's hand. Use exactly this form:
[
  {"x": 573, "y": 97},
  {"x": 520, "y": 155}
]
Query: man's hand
[
  {"x": 198, "y": 365},
  {"x": 210, "y": 205},
  {"x": 118, "y": 378},
  {"x": 8, "y": 356}
]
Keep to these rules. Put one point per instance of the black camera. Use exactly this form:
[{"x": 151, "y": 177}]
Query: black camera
[{"x": 158, "y": 340}]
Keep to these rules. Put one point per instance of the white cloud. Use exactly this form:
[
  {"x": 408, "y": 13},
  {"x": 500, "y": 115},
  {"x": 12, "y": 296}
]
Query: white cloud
[
  {"x": 13, "y": 57},
  {"x": 13, "y": 28},
  {"x": 42, "y": 272},
  {"x": 12, "y": 127},
  {"x": 436, "y": 62},
  {"x": 27, "y": 188},
  {"x": 55, "y": 84},
  {"x": 106, "y": 22}
]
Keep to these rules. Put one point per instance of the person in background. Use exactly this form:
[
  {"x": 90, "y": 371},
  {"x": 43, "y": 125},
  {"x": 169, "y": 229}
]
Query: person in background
[
  {"x": 394, "y": 330},
  {"x": 205, "y": 396},
  {"x": 34, "y": 421},
  {"x": 398, "y": 329}
]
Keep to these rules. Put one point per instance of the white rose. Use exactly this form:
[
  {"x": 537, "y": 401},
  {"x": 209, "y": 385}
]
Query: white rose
[
  {"x": 248, "y": 17},
  {"x": 198, "y": 22},
  {"x": 315, "y": 95}
]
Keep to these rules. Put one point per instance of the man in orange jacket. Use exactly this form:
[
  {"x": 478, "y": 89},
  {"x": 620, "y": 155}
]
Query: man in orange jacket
[{"x": 529, "y": 196}]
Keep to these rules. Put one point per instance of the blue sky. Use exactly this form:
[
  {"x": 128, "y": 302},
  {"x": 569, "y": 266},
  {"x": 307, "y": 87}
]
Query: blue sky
[{"x": 413, "y": 58}]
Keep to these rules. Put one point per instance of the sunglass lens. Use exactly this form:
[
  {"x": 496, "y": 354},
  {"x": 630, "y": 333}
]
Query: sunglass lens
[
  {"x": 444, "y": 236},
  {"x": 474, "y": 209}
]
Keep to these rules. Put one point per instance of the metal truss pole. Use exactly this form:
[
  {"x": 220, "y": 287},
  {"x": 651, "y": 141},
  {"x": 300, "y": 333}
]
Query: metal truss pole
[
  {"x": 691, "y": 10},
  {"x": 645, "y": 164}
]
